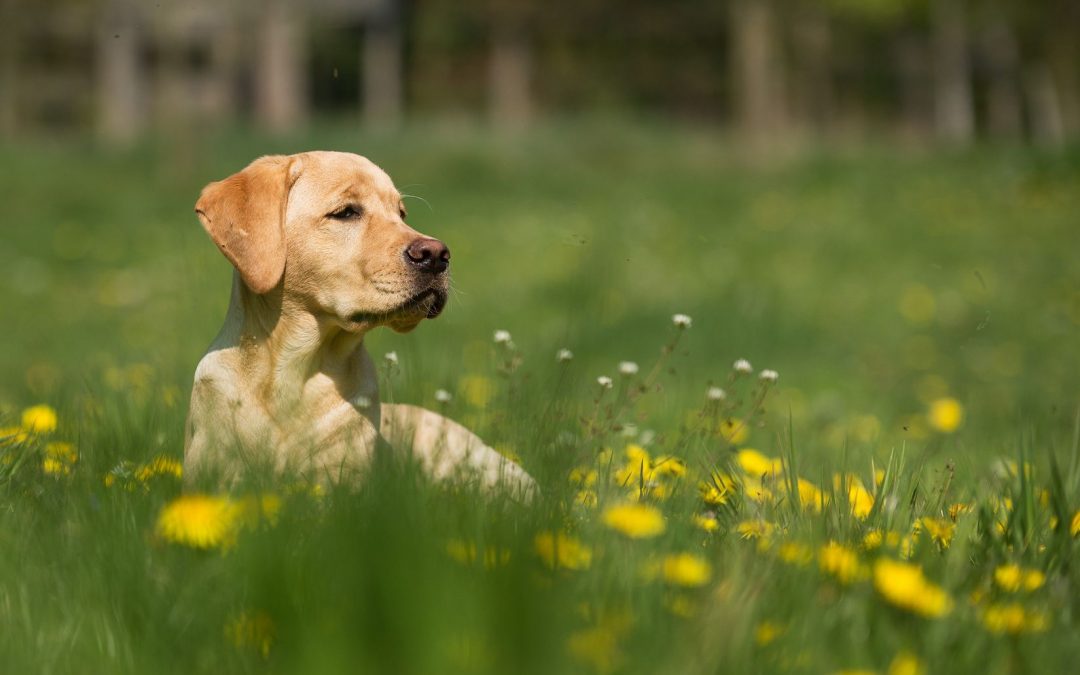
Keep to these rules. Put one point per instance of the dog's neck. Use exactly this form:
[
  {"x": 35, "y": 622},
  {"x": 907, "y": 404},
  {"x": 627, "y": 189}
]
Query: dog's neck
[{"x": 297, "y": 358}]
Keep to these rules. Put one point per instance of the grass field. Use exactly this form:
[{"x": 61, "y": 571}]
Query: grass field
[{"x": 904, "y": 498}]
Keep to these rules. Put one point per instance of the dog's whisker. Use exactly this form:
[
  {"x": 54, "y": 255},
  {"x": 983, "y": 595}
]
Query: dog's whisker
[{"x": 426, "y": 202}]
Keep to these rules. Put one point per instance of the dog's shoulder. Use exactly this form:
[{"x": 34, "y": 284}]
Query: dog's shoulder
[{"x": 217, "y": 382}]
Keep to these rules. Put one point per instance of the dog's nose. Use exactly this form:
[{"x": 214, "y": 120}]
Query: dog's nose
[{"x": 430, "y": 255}]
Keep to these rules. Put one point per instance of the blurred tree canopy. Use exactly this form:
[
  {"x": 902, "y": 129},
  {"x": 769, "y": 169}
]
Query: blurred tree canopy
[{"x": 951, "y": 71}]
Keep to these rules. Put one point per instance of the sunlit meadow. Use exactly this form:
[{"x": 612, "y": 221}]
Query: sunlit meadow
[{"x": 813, "y": 417}]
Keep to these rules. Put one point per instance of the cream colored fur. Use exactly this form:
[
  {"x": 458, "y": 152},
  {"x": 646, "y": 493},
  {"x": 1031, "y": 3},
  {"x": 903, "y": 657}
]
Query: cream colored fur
[{"x": 287, "y": 382}]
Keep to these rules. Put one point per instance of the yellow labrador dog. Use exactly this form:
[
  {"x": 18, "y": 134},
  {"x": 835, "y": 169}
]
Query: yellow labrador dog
[{"x": 322, "y": 256}]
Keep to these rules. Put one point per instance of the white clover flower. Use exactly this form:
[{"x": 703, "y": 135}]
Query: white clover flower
[
  {"x": 743, "y": 366},
  {"x": 442, "y": 396},
  {"x": 391, "y": 357},
  {"x": 564, "y": 355},
  {"x": 681, "y": 321},
  {"x": 502, "y": 337},
  {"x": 629, "y": 430},
  {"x": 363, "y": 402},
  {"x": 769, "y": 376},
  {"x": 646, "y": 437},
  {"x": 628, "y": 367},
  {"x": 604, "y": 381},
  {"x": 716, "y": 394}
]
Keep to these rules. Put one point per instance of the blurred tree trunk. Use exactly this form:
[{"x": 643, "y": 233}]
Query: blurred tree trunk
[
  {"x": 1044, "y": 108},
  {"x": 911, "y": 54},
  {"x": 1064, "y": 62},
  {"x": 382, "y": 67},
  {"x": 757, "y": 75},
  {"x": 9, "y": 69},
  {"x": 510, "y": 73},
  {"x": 281, "y": 96},
  {"x": 1004, "y": 107},
  {"x": 224, "y": 59},
  {"x": 813, "y": 90},
  {"x": 120, "y": 90},
  {"x": 954, "y": 105}
]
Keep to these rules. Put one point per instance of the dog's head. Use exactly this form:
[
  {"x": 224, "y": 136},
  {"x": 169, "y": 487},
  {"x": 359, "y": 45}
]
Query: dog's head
[{"x": 329, "y": 229}]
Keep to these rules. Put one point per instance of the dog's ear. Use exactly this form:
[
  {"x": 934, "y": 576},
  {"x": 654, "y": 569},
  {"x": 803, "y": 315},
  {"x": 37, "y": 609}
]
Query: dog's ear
[{"x": 245, "y": 216}]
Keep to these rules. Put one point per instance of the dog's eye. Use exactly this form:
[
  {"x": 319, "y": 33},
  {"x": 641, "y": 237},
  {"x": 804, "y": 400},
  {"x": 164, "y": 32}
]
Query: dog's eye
[
  {"x": 347, "y": 213},
  {"x": 402, "y": 214}
]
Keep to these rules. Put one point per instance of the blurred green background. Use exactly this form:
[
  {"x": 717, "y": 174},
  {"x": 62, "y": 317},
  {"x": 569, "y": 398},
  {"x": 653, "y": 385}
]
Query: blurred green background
[
  {"x": 879, "y": 200},
  {"x": 876, "y": 199},
  {"x": 873, "y": 281}
]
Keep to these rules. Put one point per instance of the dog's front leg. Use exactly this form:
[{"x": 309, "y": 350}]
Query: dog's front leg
[{"x": 446, "y": 448}]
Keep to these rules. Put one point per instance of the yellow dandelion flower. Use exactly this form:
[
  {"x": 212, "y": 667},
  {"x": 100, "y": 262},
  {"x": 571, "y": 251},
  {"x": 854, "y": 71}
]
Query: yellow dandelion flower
[
  {"x": 718, "y": 489},
  {"x": 841, "y": 562},
  {"x": 794, "y": 553},
  {"x": 756, "y": 464},
  {"x": 686, "y": 569},
  {"x": 706, "y": 521},
  {"x": 159, "y": 466},
  {"x": 766, "y": 632},
  {"x": 635, "y": 454},
  {"x": 584, "y": 476},
  {"x": 461, "y": 551},
  {"x": 654, "y": 489},
  {"x": 39, "y": 419},
  {"x": 254, "y": 630},
  {"x": 598, "y": 646},
  {"x": 199, "y": 521},
  {"x": 59, "y": 458},
  {"x": 638, "y": 468},
  {"x": 562, "y": 550},
  {"x": 605, "y": 457},
  {"x": 467, "y": 553},
  {"x": 13, "y": 436},
  {"x": 906, "y": 663},
  {"x": 941, "y": 531},
  {"x": 1013, "y": 618},
  {"x": 733, "y": 430},
  {"x": 666, "y": 465},
  {"x": 904, "y": 585},
  {"x": 872, "y": 540},
  {"x": 587, "y": 498},
  {"x": 496, "y": 557},
  {"x": 637, "y": 521},
  {"x": 477, "y": 390},
  {"x": 55, "y": 467},
  {"x": 1013, "y": 578},
  {"x": 754, "y": 529},
  {"x": 875, "y": 539},
  {"x": 945, "y": 415},
  {"x": 859, "y": 498},
  {"x": 959, "y": 509},
  {"x": 1074, "y": 527},
  {"x": 255, "y": 510},
  {"x": 755, "y": 491},
  {"x": 811, "y": 497}
]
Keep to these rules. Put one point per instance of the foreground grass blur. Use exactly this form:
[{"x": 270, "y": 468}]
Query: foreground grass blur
[{"x": 903, "y": 496}]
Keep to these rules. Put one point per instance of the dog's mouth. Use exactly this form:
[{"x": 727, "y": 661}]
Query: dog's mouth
[{"x": 430, "y": 301}]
